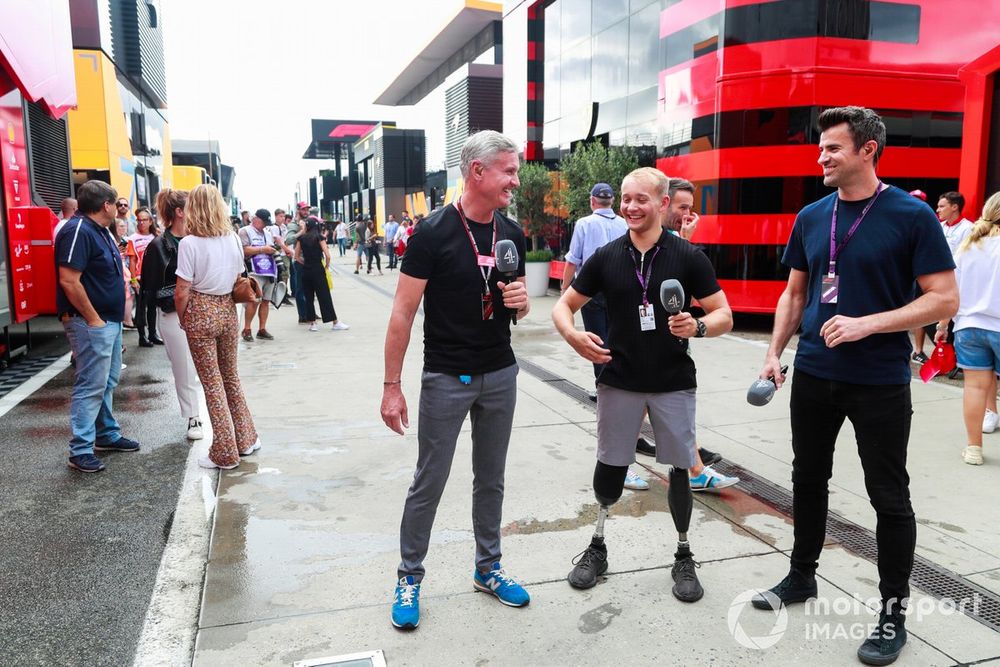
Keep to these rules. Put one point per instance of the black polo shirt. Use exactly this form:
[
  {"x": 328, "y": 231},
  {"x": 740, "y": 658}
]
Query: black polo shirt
[
  {"x": 88, "y": 247},
  {"x": 651, "y": 361},
  {"x": 456, "y": 338}
]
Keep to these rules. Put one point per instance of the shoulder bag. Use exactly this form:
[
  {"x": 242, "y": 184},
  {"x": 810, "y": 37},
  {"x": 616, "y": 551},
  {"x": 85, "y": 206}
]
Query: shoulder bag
[
  {"x": 165, "y": 295},
  {"x": 246, "y": 289}
]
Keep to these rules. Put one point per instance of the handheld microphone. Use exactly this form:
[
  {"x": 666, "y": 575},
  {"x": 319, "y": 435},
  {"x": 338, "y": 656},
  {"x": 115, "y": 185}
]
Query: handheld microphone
[
  {"x": 506, "y": 264},
  {"x": 761, "y": 392},
  {"x": 672, "y": 296}
]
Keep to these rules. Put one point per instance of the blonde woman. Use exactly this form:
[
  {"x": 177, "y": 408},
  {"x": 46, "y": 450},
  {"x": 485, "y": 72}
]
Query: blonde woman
[
  {"x": 209, "y": 259},
  {"x": 159, "y": 270},
  {"x": 977, "y": 323}
]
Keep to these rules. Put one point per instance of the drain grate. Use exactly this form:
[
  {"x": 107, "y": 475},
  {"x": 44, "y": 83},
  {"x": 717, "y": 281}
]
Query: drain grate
[
  {"x": 21, "y": 371},
  {"x": 983, "y": 605}
]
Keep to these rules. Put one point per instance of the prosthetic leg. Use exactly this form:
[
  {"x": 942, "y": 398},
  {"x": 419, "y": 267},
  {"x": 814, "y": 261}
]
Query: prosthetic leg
[
  {"x": 593, "y": 562},
  {"x": 687, "y": 588}
]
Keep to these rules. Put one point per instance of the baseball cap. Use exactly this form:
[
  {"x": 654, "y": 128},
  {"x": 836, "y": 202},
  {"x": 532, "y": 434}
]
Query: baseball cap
[
  {"x": 919, "y": 194},
  {"x": 302, "y": 204},
  {"x": 602, "y": 191},
  {"x": 263, "y": 214}
]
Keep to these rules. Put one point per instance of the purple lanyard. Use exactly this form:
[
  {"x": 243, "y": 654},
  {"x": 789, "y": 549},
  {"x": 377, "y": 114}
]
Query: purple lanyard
[
  {"x": 644, "y": 279},
  {"x": 835, "y": 249}
]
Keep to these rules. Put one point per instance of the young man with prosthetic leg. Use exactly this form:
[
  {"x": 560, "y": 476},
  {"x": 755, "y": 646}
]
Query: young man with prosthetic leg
[{"x": 647, "y": 365}]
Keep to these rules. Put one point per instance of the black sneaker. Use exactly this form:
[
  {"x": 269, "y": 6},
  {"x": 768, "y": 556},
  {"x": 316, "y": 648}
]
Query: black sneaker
[
  {"x": 264, "y": 335},
  {"x": 123, "y": 444},
  {"x": 708, "y": 457},
  {"x": 588, "y": 566},
  {"x": 886, "y": 641},
  {"x": 86, "y": 463},
  {"x": 919, "y": 357},
  {"x": 687, "y": 588},
  {"x": 144, "y": 343},
  {"x": 642, "y": 446},
  {"x": 156, "y": 340},
  {"x": 796, "y": 587}
]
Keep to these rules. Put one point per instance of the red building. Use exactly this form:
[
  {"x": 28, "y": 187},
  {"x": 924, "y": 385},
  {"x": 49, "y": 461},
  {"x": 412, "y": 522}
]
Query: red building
[{"x": 37, "y": 88}]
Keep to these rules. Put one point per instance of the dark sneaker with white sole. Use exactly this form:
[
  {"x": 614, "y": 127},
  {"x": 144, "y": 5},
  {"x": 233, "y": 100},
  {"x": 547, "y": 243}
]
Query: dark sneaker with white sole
[
  {"x": 588, "y": 566},
  {"x": 123, "y": 444},
  {"x": 886, "y": 641},
  {"x": 796, "y": 587},
  {"x": 642, "y": 446},
  {"x": 708, "y": 457},
  {"x": 86, "y": 463},
  {"x": 687, "y": 588}
]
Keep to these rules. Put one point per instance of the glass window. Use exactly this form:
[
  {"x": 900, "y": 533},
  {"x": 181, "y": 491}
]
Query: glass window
[
  {"x": 611, "y": 115},
  {"x": 607, "y": 12},
  {"x": 574, "y": 21},
  {"x": 552, "y": 88},
  {"x": 643, "y": 49},
  {"x": 642, "y": 105},
  {"x": 575, "y": 76},
  {"x": 894, "y": 23},
  {"x": 610, "y": 63}
]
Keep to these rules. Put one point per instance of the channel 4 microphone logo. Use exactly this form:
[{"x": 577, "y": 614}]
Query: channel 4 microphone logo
[
  {"x": 508, "y": 256},
  {"x": 674, "y": 302}
]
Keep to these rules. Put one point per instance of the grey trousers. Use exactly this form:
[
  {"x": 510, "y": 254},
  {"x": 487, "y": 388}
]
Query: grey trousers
[{"x": 444, "y": 403}]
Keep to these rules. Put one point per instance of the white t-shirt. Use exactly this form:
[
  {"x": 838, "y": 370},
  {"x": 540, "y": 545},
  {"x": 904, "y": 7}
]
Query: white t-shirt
[
  {"x": 210, "y": 263},
  {"x": 956, "y": 233},
  {"x": 978, "y": 274},
  {"x": 342, "y": 230}
]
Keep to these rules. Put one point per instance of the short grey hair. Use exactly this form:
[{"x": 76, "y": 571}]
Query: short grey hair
[{"x": 483, "y": 146}]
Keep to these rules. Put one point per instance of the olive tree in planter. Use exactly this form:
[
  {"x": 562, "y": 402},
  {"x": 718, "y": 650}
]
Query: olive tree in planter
[
  {"x": 592, "y": 163},
  {"x": 537, "y": 264}
]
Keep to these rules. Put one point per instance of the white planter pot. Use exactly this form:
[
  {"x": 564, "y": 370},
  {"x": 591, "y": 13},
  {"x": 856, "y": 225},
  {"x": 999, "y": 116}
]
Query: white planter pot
[{"x": 537, "y": 276}]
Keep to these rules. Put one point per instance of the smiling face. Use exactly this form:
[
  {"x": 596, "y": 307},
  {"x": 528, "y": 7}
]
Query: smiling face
[
  {"x": 497, "y": 180},
  {"x": 681, "y": 207},
  {"x": 842, "y": 164},
  {"x": 642, "y": 205}
]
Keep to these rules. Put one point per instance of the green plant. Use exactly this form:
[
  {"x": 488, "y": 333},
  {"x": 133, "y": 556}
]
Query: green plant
[
  {"x": 530, "y": 198},
  {"x": 544, "y": 255},
  {"x": 589, "y": 164}
]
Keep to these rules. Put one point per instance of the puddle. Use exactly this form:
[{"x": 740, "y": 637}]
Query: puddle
[
  {"x": 598, "y": 619},
  {"x": 631, "y": 504}
]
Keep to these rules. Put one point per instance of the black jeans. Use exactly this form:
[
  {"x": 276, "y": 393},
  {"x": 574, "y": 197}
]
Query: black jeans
[
  {"x": 373, "y": 253},
  {"x": 145, "y": 314},
  {"x": 595, "y": 321},
  {"x": 881, "y": 416},
  {"x": 312, "y": 278}
]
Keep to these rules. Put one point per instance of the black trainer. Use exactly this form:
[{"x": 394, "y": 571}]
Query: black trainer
[
  {"x": 796, "y": 587},
  {"x": 708, "y": 457},
  {"x": 588, "y": 566},
  {"x": 687, "y": 588},
  {"x": 86, "y": 463},
  {"x": 886, "y": 641},
  {"x": 642, "y": 446},
  {"x": 123, "y": 444}
]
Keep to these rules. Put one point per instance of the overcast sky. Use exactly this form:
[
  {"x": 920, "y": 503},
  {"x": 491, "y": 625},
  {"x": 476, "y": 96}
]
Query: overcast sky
[{"x": 252, "y": 74}]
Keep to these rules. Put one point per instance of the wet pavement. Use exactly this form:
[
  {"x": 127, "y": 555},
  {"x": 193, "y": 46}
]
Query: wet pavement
[{"x": 81, "y": 552}]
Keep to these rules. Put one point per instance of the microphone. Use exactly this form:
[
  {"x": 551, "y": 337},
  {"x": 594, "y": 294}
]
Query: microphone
[
  {"x": 761, "y": 392},
  {"x": 672, "y": 296},
  {"x": 506, "y": 263}
]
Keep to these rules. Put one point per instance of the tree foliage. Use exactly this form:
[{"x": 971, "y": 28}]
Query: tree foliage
[
  {"x": 592, "y": 163},
  {"x": 531, "y": 196}
]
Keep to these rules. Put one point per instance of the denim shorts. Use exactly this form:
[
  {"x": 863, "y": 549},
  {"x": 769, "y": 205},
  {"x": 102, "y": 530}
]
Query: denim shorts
[{"x": 978, "y": 349}]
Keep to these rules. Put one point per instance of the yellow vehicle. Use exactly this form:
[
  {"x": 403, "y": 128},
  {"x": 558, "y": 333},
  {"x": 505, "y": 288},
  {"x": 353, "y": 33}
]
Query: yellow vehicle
[{"x": 186, "y": 178}]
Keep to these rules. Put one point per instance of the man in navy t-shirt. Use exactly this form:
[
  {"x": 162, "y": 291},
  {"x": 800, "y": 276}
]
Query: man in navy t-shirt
[
  {"x": 853, "y": 258},
  {"x": 90, "y": 300}
]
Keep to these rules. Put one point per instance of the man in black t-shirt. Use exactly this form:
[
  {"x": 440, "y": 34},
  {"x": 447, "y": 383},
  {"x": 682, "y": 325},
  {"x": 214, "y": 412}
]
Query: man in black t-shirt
[
  {"x": 853, "y": 258},
  {"x": 469, "y": 366},
  {"x": 647, "y": 362}
]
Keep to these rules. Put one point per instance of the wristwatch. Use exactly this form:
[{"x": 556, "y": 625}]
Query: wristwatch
[{"x": 701, "y": 328}]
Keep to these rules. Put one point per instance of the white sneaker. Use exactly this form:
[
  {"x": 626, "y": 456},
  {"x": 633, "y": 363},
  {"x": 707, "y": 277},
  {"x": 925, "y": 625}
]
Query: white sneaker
[
  {"x": 124, "y": 366},
  {"x": 990, "y": 421},
  {"x": 339, "y": 326},
  {"x": 634, "y": 482},
  {"x": 973, "y": 455},
  {"x": 206, "y": 462},
  {"x": 251, "y": 449},
  {"x": 194, "y": 431},
  {"x": 313, "y": 327}
]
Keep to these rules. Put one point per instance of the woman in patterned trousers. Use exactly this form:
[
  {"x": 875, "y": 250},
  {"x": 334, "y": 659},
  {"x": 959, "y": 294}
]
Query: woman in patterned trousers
[{"x": 209, "y": 259}]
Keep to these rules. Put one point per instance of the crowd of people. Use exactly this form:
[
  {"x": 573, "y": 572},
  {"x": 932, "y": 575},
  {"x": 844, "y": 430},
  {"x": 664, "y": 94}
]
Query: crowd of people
[{"x": 854, "y": 260}]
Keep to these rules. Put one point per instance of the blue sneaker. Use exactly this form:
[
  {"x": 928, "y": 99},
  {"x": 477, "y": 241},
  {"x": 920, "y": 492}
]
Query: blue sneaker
[
  {"x": 502, "y": 585},
  {"x": 86, "y": 463},
  {"x": 709, "y": 480},
  {"x": 634, "y": 482},
  {"x": 122, "y": 444},
  {"x": 406, "y": 604}
]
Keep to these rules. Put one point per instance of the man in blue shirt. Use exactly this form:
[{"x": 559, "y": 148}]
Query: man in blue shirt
[
  {"x": 90, "y": 299},
  {"x": 853, "y": 258}
]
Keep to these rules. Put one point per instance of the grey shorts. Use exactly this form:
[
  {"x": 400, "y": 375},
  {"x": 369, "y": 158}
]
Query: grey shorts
[
  {"x": 619, "y": 418},
  {"x": 266, "y": 285}
]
